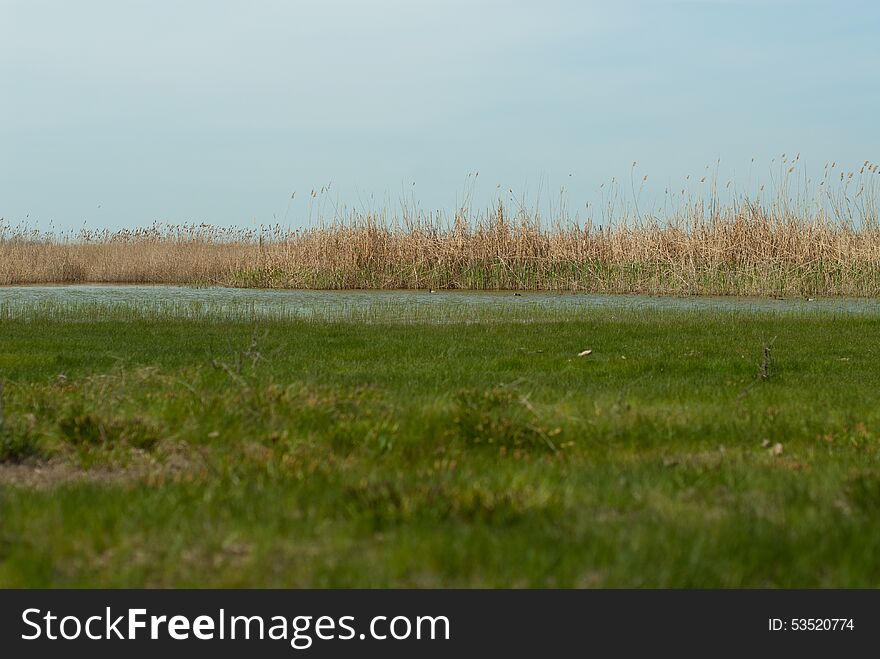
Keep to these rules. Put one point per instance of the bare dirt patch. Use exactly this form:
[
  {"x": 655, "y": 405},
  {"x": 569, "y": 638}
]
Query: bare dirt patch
[
  {"x": 46, "y": 475},
  {"x": 177, "y": 463}
]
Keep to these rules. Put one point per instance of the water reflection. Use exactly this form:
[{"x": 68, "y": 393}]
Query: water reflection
[{"x": 299, "y": 302}]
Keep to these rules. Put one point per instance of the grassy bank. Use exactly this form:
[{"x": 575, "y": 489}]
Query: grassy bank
[{"x": 688, "y": 449}]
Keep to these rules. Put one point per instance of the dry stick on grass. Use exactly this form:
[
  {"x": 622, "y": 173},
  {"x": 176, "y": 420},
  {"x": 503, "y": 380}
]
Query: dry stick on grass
[
  {"x": 526, "y": 403},
  {"x": 764, "y": 369},
  {"x": 766, "y": 361},
  {"x": 231, "y": 373}
]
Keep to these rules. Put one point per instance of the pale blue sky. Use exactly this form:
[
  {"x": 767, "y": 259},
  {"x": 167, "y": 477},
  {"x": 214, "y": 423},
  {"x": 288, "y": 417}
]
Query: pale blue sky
[{"x": 121, "y": 112}]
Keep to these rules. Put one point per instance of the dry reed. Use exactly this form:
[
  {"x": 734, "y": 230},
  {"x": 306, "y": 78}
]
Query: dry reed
[{"x": 701, "y": 247}]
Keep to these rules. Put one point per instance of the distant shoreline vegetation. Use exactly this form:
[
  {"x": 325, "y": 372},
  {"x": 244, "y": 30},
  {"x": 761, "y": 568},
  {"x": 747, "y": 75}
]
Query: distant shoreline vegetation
[{"x": 825, "y": 243}]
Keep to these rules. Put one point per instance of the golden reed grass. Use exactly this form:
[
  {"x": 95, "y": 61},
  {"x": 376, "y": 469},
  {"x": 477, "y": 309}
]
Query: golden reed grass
[{"x": 702, "y": 248}]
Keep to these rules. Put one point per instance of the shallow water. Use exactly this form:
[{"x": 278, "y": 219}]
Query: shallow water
[{"x": 306, "y": 303}]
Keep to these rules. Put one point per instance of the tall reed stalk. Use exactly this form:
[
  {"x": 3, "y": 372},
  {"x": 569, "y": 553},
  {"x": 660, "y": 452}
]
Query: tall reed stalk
[{"x": 792, "y": 244}]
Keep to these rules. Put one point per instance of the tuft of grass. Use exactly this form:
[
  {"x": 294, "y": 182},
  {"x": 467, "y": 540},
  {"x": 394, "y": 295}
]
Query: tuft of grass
[
  {"x": 90, "y": 430},
  {"x": 18, "y": 442},
  {"x": 863, "y": 492},
  {"x": 19, "y": 446},
  {"x": 501, "y": 417}
]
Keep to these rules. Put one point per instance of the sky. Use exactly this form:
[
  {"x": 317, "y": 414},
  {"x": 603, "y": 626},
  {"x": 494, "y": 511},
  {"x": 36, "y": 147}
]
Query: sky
[{"x": 119, "y": 113}]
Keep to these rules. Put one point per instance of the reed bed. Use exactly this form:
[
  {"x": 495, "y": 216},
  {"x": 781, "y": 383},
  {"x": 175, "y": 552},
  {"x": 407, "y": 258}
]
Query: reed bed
[{"x": 787, "y": 247}]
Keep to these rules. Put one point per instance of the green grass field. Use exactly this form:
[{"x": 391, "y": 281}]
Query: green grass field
[{"x": 164, "y": 451}]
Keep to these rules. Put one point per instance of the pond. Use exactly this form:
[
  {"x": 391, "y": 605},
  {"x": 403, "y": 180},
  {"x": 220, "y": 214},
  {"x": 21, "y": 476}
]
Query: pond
[{"x": 340, "y": 303}]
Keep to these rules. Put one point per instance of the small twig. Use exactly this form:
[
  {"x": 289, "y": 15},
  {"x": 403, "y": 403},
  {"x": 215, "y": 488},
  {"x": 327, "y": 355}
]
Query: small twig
[
  {"x": 191, "y": 389},
  {"x": 764, "y": 370},
  {"x": 232, "y": 374},
  {"x": 766, "y": 361},
  {"x": 526, "y": 403}
]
